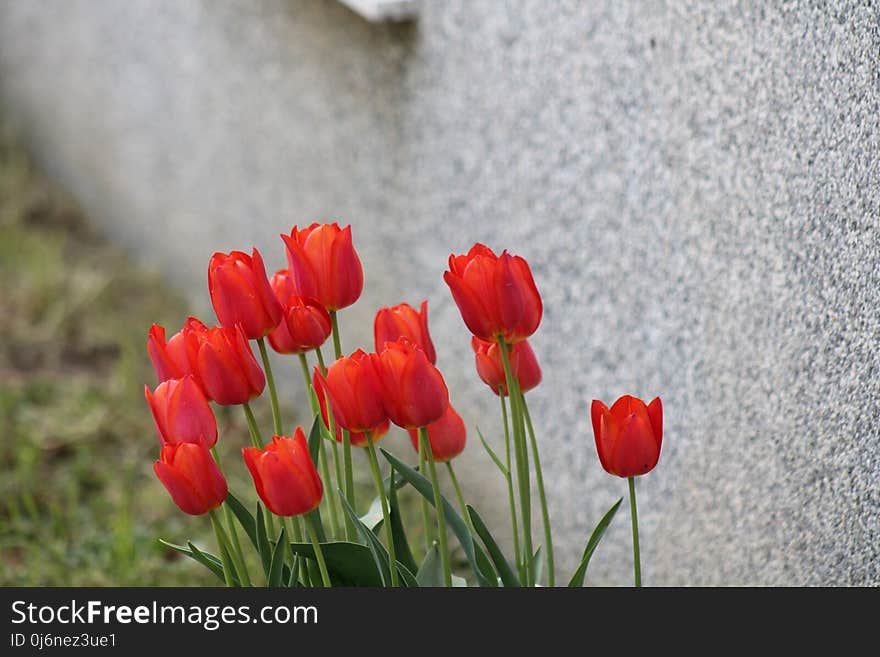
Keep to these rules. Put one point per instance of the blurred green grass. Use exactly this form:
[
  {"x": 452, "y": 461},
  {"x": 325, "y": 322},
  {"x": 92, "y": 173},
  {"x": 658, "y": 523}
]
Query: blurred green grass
[{"x": 79, "y": 504}]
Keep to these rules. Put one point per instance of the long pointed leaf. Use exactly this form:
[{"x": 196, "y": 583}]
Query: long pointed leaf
[
  {"x": 245, "y": 519},
  {"x": 508, "y": 577},
  {"x": 275, "y": 567},
  {"x": 377, "y": 550},
  {"x": 577, "y": 580},
  {"x": 211, "y": 562},
  {"x": 398, "y": 533},
  {"x": 315, "y": 439},
  {"x": 492, "y": 454},
  {"x": 478, "y": 560},
  {"x": 431, "y": 571},
  {"x": 538, "y": 564},
  {"x": 263, "y": 546}
]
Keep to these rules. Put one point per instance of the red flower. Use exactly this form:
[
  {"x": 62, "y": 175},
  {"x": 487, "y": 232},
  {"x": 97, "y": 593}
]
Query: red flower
[
  {"x": 241, "y": 294},
  {"x": 168, "y": 358},
  {"x": 357, "y": 439},
  {"x": 414, "y": 392},
  {"x": 447, "y": 436},
  {"x": 223, "y": 364},
  {"x": 191, "y": 476},
  {"x": 305, "y": 323},
  {"x": 181, "y": 412},
  {"x": 496, "y": 295},
  {"x": 404, "y": 321},
  {"x": 523, "y": 365},
  {"x": 629, "y": 436},
  {"x": 284, "y": 475},
  {"x": 355, "y": 393},
  {"x": 324, "y": 264}
]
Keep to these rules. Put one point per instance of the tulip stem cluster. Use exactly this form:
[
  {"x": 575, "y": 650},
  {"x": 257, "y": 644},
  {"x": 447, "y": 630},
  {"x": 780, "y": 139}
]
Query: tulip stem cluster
[
  {"x": 438, "y": 506},
  {"x": 386, "y": 514},
  {"x": 542, "y": 497},
  {"x": 270, "y": 381},
  {"x": 509, "y": 476}
]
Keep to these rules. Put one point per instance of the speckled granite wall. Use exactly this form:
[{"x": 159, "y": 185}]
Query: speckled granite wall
[{"x": 696, "y": 186}]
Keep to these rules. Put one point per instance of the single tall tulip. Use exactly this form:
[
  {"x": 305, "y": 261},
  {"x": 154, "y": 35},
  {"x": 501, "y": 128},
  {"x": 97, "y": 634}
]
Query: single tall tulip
[
  {"x": 628, "y": 436},
  {"x": 284, "y": 475},
  {"x": 305, "y": 323},
  {"x": 324, "y": 264},
  {"x": 224, "y": 365},
  {"x": 523, "y": 365},
  {"x": 241, "y": 293},
  {"x": 496, "y": 295},
  {"x": 357, "y": 439},
  {"x": 447, "y": 436},
  {"x": 181, "y": 412},
  {"x": 191, "y": 477},
  {"x": 404, "y": 321},
  {"x": 414, "y": 392},
  {"x": 355, "y": 393}
]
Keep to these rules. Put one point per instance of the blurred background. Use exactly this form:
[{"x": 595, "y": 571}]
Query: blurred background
[{"x": 695, "y": 185}]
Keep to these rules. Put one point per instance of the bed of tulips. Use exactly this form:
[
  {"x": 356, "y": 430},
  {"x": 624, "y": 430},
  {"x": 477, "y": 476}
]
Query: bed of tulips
[{"x": 308, "y": 528}]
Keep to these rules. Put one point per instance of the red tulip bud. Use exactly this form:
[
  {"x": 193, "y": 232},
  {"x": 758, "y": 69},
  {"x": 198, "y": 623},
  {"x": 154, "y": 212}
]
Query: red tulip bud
[
  {"x": 305, "y": 323},
  {"x": 404, "y": 321},
  {"x": 191, "y": 476},
  {"x": 447, "y": 436},
  {"x": 414, "y": 392},
  {"x": 629, "y": 436},
  {"x": 241, "y": 294},
  {"x": 357, "y": 439},
  {"x": 355, "y": 393},
  {"x": 181, "y": 412},
  {"x": 284, "y": 475},
  {"x": 224, "y": 365},
  {"x": 169, "y": 358},
  {"x": 523, "y": 365}
]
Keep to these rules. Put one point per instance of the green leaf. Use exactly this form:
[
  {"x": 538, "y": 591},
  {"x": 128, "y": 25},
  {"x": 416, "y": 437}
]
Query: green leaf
[
  {"x": 315, "y": 517},
  {"x": 373, "y": 517},
  {"x": 431, "y": 571},
  {"x": 349, "y": 564},
  {"x": 208, "y": 560},
  {"x": 458, "y": 582},
  {"x": 577, "y": 580},
  {"x": 315, "y": 439},
  {"x": 275, "y": 568},
  {"x": 377, "y": 550},
  {"x": 494, "y": 456},
  {"x": 245, "y": 519},
  {"x": 478, "y": 560},
  {"x": 502, "y": 565},
  {"x": 401, "y": 544},
  {"x": 263, "y": 546},
  {"x": 538, "y": 564}
]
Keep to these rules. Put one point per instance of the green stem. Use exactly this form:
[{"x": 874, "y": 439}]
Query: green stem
[
  {"x": 458, "y": 494},
  {"x": 237, "y": 554},
  {"x": 539, "y": 477},
  {"x": 273, "y": 395},
  {"x": 522, "y": 463},
  {"x": 346, "y": 440},
  {"x": 321, "y": 360},
  {"x": 253, "y": 428},
  {"x": 337, "y": 342},
  {"x": 386, "y": 514},
  {"x": 438, "y": 506},
  {"x": 319, "y": 553},
  {"x": 295, "y": 533},
  {"x": 223, "y": 544},
  {"x": 430, "y": 537},
  {"x": 331, "y": 497},
  {"x": 637, "y": 562},
  {"x": 510, "y": 496}
]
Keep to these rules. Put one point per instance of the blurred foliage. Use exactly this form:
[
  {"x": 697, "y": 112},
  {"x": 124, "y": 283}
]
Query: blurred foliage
[{"x": 79, "y": 504}]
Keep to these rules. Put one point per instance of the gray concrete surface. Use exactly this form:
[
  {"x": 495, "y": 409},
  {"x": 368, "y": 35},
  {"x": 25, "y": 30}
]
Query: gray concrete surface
[{"x": 695, "y": 184}]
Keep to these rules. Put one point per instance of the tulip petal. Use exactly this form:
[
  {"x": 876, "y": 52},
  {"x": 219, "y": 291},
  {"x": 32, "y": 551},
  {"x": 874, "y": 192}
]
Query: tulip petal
[
  {"x": 474, "y": 313},
  {"x": 655, "y": 414},
  {"x": 301, "y": 270}
]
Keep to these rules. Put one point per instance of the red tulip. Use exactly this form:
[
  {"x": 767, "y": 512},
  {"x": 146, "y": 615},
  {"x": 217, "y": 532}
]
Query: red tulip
[
  {"x": 414, "y": 392},
  {"x": 357, "y": 439},
  {"x": 191, "y": 476},
  {"x": 496, "y": 295},
  {"x": 324, "y": 264},
  {"x": 404, "y": 321},
  {"x": 284, "y": 475},
  {"x": 305, "y": 323},
  {"x": 168, "y": 358},
  {"x": 241, "y": 294},
  {"x": 181, "y": 412},
  {"x": 629, "y": 436},
  {"x": 523, "y": 365},
  {"x": 223, "y": 364},
  {"x": 447, "y": 436},
  {"x": 355, "y": 393}
]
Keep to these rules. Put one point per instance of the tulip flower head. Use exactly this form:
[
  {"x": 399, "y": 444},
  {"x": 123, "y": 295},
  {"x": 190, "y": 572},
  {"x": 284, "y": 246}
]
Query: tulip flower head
[
  {"x": 324, "y": 264},
  {"x": 355, "y": 394},
  {"x": 169, "y": 358},
  {"x": 628, "y": 436},
  {"x": 241, "y": 293},
  {"x": 523, "y": 365},
  {"x": 404, "y": 321},
  {"x": 413, "y": 390},
  {"x": 181, "y": 412},
  {"x": 447, "y": 436},
  {"x": 357, "y": 439},
  {"x": 305, "y": 323},
  {"x": 284, "y": 475},
  {"x": 223, "y": 364},
  {"x": 191, "y": 476},
  {"x": 496, "y": 295}
]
